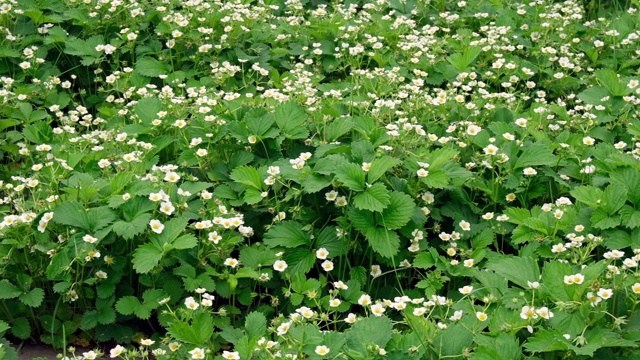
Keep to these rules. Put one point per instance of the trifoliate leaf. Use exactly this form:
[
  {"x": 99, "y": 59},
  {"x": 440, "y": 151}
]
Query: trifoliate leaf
[
  {"x": 399, "y": 211},
  {"x": 287, "y": 234},
  {"x": 374, "y": 198},
  {"x": 146, "y": 257},
  {"x": 351, "y": 175},
  {"x": 33, "y": 298}
]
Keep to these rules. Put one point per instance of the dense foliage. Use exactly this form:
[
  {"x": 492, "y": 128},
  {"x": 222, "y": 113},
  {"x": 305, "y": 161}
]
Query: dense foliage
[{"x": 394, "y": 179}]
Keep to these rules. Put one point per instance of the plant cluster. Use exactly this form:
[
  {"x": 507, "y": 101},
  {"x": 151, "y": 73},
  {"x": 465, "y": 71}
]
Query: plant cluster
[{"x": 394, "y": 179}]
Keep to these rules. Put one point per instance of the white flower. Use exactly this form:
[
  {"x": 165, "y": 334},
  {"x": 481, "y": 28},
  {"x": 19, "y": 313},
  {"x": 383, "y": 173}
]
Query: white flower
[
  {"x": 528, "y": 313},
  {"x": 331, "y": 195},
  {"x": 280, "y": 265},
  {"x": 171, "y": 177},
  {"x": 231, "y": 262},
  {"x": 464, "y": 225},
  {"x": 167, "y": 208},
  {"x": 529, "y": 171},
  {"x": 488, "y": 216},
  {"x": 116, "y": 351},
  {"x": 197, "y": 353},
  {"x": 574, "y": 279},
  {"x": 89, "y": 239},
  {"x": 191, "y": 303},
  {"x": 156, "y": 226},
  {"x": 327, "y": 265},
  {"x": 466, "y": 290},
  {"x": 334, "y": 302},
  {"x": 544, "y": 313},
  {"x": 90, "y": 355},
  {"x": 375, "y": 271},
  {"x": 481, "y": 316},
  {"x": 322, "y": 350},
  {"x": 231, "y": 355},
  {"x": 364, "y": 300},
  {"x": 422, "y": 173},
  {"x": 522, "y": 122},
  {"x": 588, "y": 140},
  {"x": 322, "y": 253},
  {"x": 377, "y": 309},
  {"x": 147, "y": 342},
  {"x": 283, "y": 328},
  {"x": 457, "y": 315},
  {"x": 473, "y": 130},
  {"x": 605, "y": 293}
]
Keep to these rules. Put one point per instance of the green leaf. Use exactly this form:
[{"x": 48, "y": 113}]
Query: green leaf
[
  {"x": 8, "y": 290},
  {"x": 187, "y": 241},
  {"x": 287, "y": 234},
  {"x": 553, "y": 279},
  {"x": 379, "y": 166},
  {"x": 615, "y": 195},
  {"x": 484, "y": 239},
  {"x": 89, "y": 320},
  {"x": 594, "y": 95},
  {"x": 462, "y": 61},
  {"x": 600, "y": 219},
  {"x": 314, "y": 183},
  {"x": 589, "y": 195},
  {"x": 610, "y": 80},
  {"x": 527, "y": 269},
  {"x": 399, "y": 211},
  {"x": 362, "y": 151},
  {"x": 33, "y": 298},
  {"x": 78, "y": 47},
  {"x": 351, "y": 175},
  {"x": 440, "y": 156},
  {"x": 374, "y": 198},
  {"x": 502, "y": 347},
  {"x": 453, "y": 340},
  {"x": 568, "y": 323},
  {"x": 337, "y": 128},
  {"x": 424, "y": 260},
  {"x": 382, "y": 241},
  {"x": 369, "y": 331},
  {"x": 21, "y": 328},
  {"x": 3, "y": 327},
  {"x": 437, "y": 179},
  {"x": 253, "y": 257},
  {"x": 546, "y": 341},
  {"x": 300, "y": 260},
  {"x": 362, "y": 220},
  {"x": 147, "y": 109},
  {"x": 129, "y": 230},
  {"x": 146, "y": 257},
  {"x": 127, "y": 305},
  {"x": 99, "y": 218},
  {"x": 150, "y": 67},
  {"x": 630, "y": 178},
  {"x": 248, "y": 176},
  {"x": 172, "y": 229},
  {"x": 71, "y": 213},
  {"x": 630, "y": 217},
  {"x": 258, "y": 126},
  {"x": 328, "y": 239},
  {"x": 518, "y": 215},
  {"x": 291, "y": 118},
  {"x": 256, "y": 325},
  {"x": 252, "y": 196},
  {"x": 197, "y": 333},
  {"x": 537, "y": 154}
]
